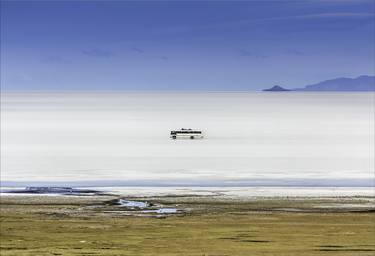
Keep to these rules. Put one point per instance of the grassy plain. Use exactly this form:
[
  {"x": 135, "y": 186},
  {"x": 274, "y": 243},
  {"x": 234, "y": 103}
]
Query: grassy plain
[{"x": 207, "y": 226}]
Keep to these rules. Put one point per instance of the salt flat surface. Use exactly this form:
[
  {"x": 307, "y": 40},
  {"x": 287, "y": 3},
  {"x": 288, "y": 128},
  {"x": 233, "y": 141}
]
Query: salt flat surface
[
  {"x": 242, "y": 191},
  {"x": 252, "y": 137}
]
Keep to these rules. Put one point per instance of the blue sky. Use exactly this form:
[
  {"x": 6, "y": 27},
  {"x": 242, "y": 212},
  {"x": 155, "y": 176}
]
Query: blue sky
[{"x": 178, "y": 45}]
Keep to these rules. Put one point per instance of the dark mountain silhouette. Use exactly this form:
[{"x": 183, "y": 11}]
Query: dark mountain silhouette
[
  {"x": 276, "y": 88},
  {"x": 361, "y": 83},
  {"x": 342, "y": 84}
]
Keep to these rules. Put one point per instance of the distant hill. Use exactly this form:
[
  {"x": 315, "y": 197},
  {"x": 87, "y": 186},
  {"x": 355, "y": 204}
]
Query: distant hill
[
  {"x": 361, "y": 83},
  {"x": 276, "y": 88},
  {"x": 342, "y": 84}
]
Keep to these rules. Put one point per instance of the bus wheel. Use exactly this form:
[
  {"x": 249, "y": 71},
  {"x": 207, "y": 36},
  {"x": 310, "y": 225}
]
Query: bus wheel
[{"x": 192, "y": 137}]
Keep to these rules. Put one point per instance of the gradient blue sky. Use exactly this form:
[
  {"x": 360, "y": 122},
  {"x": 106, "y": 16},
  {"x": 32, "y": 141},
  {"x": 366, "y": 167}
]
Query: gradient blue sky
[{"x": 178, "y": 45}]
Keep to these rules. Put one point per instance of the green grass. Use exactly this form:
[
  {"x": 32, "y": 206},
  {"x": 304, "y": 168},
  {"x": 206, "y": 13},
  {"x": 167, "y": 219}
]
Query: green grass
[{"x": 72, "y": 229}]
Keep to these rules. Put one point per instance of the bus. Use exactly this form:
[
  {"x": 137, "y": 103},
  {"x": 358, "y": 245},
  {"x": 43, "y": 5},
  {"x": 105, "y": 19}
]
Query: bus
[{"x": 186, "y": 134}]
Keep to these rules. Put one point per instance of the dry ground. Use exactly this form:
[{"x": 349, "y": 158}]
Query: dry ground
[{"x": 82, "y": 226}]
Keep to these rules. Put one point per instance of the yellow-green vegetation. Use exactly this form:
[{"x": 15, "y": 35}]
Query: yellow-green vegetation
[{"x": 58, "y": 226}]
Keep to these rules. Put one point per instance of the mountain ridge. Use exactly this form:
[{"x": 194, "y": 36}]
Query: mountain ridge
[
  {"x": 276, "y": 88},
  {"x": 363, "y": 83}
]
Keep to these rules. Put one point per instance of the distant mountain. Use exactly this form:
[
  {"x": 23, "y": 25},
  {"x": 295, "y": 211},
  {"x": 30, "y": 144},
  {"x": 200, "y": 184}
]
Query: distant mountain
[
  {"x": 276, "y": 88},
  {"x": 361, "y": 83}
]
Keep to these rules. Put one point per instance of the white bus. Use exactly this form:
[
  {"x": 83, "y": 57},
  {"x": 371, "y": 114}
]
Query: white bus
[{"x": 186, "y": 134}]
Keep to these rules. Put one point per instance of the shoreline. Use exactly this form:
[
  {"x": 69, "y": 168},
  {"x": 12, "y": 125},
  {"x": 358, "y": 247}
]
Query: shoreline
[
  {"x": 196, "y": 203},
  {"x": 234, "y": 192}
]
